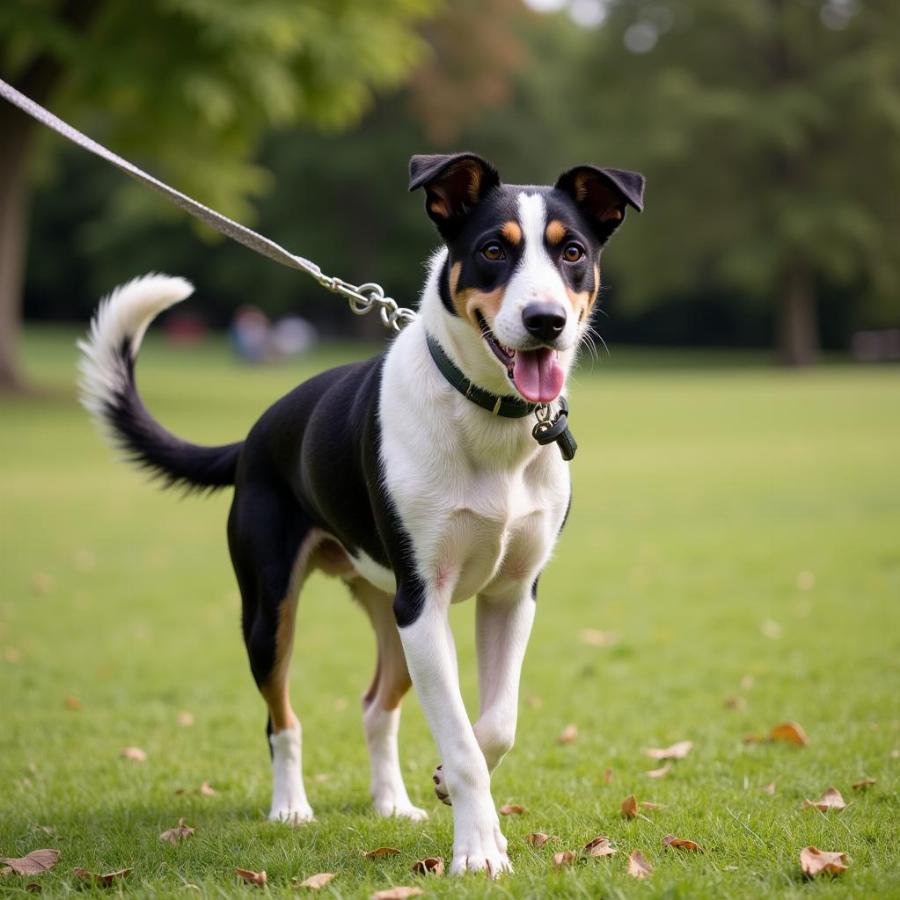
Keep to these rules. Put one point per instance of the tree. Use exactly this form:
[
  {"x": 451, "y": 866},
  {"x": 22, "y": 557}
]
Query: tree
[
  {"x": 770, "y": 134},
  {"x": 186, "y": 87}
]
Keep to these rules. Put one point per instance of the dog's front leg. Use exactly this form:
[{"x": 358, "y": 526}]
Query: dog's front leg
[{"x": 478, "y": 843}]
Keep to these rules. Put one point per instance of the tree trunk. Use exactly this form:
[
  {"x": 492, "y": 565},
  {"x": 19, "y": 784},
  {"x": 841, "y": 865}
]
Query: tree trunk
[
  {"x": 797, "y": 319},
  {"x": 15, "y": 139}
]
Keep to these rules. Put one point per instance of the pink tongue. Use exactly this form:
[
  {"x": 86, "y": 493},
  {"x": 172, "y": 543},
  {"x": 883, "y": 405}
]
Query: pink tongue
[{"x": 538, "y": 375}]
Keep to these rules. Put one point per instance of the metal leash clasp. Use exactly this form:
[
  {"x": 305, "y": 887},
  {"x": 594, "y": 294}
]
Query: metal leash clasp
[{"x": 551, "y": 429}]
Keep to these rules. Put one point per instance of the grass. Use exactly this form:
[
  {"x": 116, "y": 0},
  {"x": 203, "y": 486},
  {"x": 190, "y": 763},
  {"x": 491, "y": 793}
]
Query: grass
[{"x": 702, "y": 493}]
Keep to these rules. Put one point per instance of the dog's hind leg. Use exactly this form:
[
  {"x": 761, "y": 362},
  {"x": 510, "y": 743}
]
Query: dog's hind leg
[
  {"x": 381, "y": 705},
  {"x": 270, "y": 541}
]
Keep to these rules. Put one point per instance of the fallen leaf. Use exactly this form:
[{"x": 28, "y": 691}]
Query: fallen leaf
[
  {"x": 594, "y": 637},
  {"x": 789, "y": 732},
  {"x": 431, "y": 865},
  {"x": 646, "y": 804},
  {"x": 207, "y": 790},
  {"x": 134, "y": 753},
  {"x": 568, "y": 734},
  {"x": 72, "y": 703},
  {"x": 33, "y": 863},
  {"x": 753, "y": 738},
  {"x": 681, "y": 843},
  {"x": 813, "y": 861},
  {"x": 105, "y": 879},
  {"x": 563, "y": 858},
  {"x": 380, "y": 851},
  {"x": 397, "y": 893},
  {"x": 830, "y": 799},
  {"x": 251, "y": 877},
  {"x": 629, "y": 806},
  {"x": 735, "y": 703},
  {"x": 512, "y": 809},
  {"x": 661, "y": 772},
  {"x": 185, "y": 718},
  {"x": 607, "y": 776},
  {"x": 176, "y": 834},
  {"x": 317, "y": 881},
  {"x": 33, "y": 887},
  {"x": 638, "y": 867},
  {"x": 537, "y": 839},
  {"x": 863, "y": 783},
  {"x": 769, "y": 789},
  {"x": 676, "y": 751},
  {"x": 599, "y": 846}
]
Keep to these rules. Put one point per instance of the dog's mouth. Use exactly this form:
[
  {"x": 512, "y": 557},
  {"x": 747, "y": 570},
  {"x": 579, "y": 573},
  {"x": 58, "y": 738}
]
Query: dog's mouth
[{"x": 536, "y": 373}]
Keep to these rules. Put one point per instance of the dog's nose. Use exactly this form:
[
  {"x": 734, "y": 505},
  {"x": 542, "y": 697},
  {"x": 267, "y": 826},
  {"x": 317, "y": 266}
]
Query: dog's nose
[{"x": 545, "y": 321}]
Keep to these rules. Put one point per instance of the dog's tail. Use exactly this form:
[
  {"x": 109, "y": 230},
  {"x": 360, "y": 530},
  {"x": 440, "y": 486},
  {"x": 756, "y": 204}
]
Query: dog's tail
[{"x": 109, "y": 393}]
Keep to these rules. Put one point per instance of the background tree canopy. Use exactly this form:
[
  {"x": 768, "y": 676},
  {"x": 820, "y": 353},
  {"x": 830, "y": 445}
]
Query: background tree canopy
[{"x": 769, "y": 131}]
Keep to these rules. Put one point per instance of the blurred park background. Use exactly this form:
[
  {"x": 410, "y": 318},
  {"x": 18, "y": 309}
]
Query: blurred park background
[{"x": 769, "y": 132}]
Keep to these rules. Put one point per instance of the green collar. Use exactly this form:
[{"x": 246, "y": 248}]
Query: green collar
[{"x": 508, "y": 407}]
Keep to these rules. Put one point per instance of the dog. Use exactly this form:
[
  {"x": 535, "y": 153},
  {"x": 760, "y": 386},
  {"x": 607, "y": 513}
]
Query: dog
[{"x": 415, "y": 476}]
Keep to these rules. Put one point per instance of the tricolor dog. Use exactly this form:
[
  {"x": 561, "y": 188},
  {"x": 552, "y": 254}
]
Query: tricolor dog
[{"x": 415, "y": 477}]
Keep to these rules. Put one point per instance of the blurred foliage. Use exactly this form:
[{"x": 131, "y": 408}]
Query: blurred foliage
[{"x": 769, "y": 132}]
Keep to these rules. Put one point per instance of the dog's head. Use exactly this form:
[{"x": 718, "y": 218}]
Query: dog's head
[{"x": 522, "y": 269}]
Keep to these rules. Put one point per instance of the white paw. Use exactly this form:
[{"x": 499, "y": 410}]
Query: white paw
[
  {"x": 296, "y": 814},
  {"x": 440, "y": 786},
  {"x": 395, "y": 802},
  {"x": 481, "y": 848}
]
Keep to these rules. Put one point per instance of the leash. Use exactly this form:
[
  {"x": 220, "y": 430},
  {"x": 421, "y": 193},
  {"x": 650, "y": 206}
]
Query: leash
[{"x": 361, "y": 298}]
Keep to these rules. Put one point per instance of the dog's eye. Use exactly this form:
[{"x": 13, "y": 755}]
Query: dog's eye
[
  {"x": 493, "y": 251},
  {"x": 573, "y": 253}
]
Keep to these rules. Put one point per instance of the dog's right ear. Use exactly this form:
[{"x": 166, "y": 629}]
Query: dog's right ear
[{"x": 454, "y": 185}]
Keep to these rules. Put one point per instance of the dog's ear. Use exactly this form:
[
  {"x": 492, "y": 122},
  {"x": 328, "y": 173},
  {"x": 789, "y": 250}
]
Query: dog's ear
[
  {"x": 603, "y": 195},
  {"x": 453, "y": 184}
]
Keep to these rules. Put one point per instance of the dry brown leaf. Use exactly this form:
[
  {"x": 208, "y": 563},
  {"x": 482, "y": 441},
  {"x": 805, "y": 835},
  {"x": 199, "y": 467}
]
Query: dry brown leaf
[
  {"x": 676, "y": 751},
  {"x": 73, "y": 703},
  {"x": 380, "y": 851},
  {"x": 594, "y": 637},
  {"x": 629, "y": 806},
  {"x": 753, "y": 738},
  {"x": 599, "y": 846},
  {"x": 317, "y": 881},
  {"x": 681, "y": 843},
  {"x": 789, "y": 732},
  {"x": 176, "y": 834},
  {"x": 431, "y": 865},
  {"x": 813, "y": 861},
  {"x": 661, "y": 772},
  {"x": 207, "y": 790},
  {"x": 134, "y": 753},
  {"x": 251, "y": 877},
  {"x": 638, "y": 867},
  {"x": 105, "y": 879},
  {"x": 397, "y": 893},
  {"x": 33, "y": 887},
  {"x": 185, "y": 719},
  {"x": 33, "y": 863},
  {"x": 830, "y": 799},
  {"x": 735, "y": 703},
  {"x": 769, "y": 789},
  {"x": 537, "y": 839},
  {"x": 646, "y": 804},
  {"x": 863, "y": 783},
  {"x": 568, "y": 734},
  {"x": 512, "y": 809},
  {"x": 563, "y": 858}
]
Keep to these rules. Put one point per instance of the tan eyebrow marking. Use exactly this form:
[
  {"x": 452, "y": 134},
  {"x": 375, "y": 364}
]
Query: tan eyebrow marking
[
  {"x": 512, "y": 232},
  {"x": 556, "y": 231}
]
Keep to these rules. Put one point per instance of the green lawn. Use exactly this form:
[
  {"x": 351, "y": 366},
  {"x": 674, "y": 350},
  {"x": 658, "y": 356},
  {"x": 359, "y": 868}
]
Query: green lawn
[{"x": 736, "y": 527}]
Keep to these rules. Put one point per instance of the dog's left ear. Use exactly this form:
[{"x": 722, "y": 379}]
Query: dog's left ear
[
  {"x": 454, "y": 185},
  {"x": 603, "y": 195}
]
